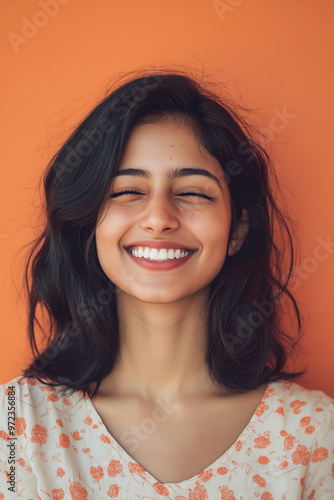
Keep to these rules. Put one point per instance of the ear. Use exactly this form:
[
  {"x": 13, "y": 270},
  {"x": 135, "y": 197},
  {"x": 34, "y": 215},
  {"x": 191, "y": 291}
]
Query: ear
[{"x": 239, "y": 233}]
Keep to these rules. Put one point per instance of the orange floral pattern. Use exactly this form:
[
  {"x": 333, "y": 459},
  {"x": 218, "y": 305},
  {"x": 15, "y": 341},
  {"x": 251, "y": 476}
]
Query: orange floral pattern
[
  {"x": 64, "y": 441},
  {"x": 113, "y": 491},
  {"x": 76, "y": 435},
  {"x": 78, "y": 492},
  {"x": 64, "y": 451},
  {"x": 115, "y": 467},
  {"x": 39, "y": 434},
  {"x": 20, "y": 426},
  {"x": 58, "y": 494},
  {"x": 60, "y": 472}
]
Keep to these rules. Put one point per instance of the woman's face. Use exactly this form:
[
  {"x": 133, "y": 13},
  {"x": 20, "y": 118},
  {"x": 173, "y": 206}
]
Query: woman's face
[{"x": 161, "y": 214}]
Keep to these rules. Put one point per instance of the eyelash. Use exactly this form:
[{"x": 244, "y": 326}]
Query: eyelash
[{"x": 189, "y": 193}]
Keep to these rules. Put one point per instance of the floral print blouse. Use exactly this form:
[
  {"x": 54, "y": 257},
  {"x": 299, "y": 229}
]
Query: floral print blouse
[{"x": 62, "y": 450}]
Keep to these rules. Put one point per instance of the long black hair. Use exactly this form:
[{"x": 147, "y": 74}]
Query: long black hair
[{"x": 246, "y": 343}]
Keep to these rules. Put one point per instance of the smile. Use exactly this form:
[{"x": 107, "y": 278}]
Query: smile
[
  {"x": 160, "y": 259},
  {"x": 159, "y": 255}
]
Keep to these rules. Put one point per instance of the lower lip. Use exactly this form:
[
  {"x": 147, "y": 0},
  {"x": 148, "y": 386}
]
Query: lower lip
[{"x": 160, "y": 265}]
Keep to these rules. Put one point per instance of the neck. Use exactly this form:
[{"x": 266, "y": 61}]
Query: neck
[{"x": 162, "y": 350}]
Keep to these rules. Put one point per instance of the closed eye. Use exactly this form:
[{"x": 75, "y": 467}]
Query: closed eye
[
  {"x": 193, "y": 193},
  {"x": 188, "y": 193}
]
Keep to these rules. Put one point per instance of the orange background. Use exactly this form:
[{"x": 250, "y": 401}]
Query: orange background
[{"x": 58, "y": 56}]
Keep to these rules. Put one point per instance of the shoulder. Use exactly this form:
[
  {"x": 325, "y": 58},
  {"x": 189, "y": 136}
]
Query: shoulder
[
  {"x": 34, "y": 401},
  {"x": 292, "y": 392},
  {"x": 33, "y": 386},
  {"x": 296, "y": 399},
  {"x": 304, "y": 413},
  {"x": 36, "y": 422},
  {"x": 30, "y": 388}
]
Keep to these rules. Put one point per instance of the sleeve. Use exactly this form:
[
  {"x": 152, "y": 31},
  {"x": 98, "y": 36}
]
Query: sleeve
[
  {"x": 319, "y": 477},
  {"x": 17, "y": 479}
]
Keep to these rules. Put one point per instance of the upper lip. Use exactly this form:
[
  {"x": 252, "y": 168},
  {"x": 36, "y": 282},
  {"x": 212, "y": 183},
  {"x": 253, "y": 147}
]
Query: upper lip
[{"x": 159, "y": 244}]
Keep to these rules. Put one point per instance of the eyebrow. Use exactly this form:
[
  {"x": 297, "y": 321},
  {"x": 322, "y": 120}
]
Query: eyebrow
[{"x": 171, "y": 174}]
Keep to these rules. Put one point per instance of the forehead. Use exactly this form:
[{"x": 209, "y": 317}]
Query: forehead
[
  {"x": 170, "y": 141},
  {"x": 166, "y": 128}
]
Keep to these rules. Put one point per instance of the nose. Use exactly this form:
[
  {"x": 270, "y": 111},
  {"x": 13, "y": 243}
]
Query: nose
[{"x": 160, "y": 214}]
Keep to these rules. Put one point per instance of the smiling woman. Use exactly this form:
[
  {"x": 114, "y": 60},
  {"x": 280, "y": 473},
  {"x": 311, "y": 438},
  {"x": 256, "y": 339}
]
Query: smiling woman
[
  {"x": 169, "y": 200},
  {"x": 168, "y": 386}
]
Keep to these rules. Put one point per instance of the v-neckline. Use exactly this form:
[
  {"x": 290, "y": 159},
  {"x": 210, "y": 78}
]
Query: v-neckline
[{"x": 152, "y": 479}]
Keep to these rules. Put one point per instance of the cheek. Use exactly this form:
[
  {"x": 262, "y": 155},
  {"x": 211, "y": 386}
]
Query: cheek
[
  {"x": 110, "y": 230},
  {"x": 215, "y": 237},
  {"x": 213, "y": 225}
]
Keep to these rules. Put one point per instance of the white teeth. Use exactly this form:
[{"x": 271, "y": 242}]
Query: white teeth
[
  {"x": 170, "y": 254},
  {"x": 155, "y": 254},
  {"x": 162, "y": 254}
]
